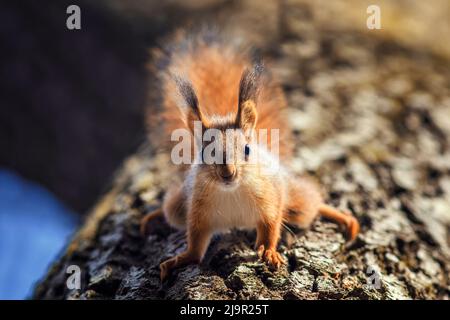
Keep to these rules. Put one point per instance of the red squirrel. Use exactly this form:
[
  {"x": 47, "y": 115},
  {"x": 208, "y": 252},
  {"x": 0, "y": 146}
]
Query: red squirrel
[{"x": 218, "y": 84}]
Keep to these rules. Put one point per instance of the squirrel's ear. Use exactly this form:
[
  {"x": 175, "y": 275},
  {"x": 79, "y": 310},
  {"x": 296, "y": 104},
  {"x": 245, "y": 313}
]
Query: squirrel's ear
[
  {"x": 193, "y": 112},
  {"x": 247, "y": 115},
  {"x": 248, "y": 94}
]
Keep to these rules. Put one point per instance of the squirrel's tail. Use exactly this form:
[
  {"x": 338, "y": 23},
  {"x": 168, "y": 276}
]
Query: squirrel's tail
[{"x": 213, "y": 63}]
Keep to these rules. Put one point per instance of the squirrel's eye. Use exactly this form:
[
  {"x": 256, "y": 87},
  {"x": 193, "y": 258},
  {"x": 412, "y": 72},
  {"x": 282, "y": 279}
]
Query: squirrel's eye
[{"x": 247, "y": 150}]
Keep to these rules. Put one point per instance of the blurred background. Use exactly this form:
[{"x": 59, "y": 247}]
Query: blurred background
[{"x": 72, "y": 101}]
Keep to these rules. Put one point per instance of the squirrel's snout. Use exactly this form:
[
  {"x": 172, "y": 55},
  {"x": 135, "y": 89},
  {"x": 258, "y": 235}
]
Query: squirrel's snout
[{"x": 227, "y": 172}]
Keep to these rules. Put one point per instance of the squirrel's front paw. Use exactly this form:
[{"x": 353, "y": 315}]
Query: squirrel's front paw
[{"x": 271, "y": 257}]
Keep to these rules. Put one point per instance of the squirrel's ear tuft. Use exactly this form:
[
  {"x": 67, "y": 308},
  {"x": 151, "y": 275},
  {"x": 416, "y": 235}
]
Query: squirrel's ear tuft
[
  {"x": 250, "y": 83},
  {"x": 248, "y": 95},
  {"x": 187, "y": 92}
]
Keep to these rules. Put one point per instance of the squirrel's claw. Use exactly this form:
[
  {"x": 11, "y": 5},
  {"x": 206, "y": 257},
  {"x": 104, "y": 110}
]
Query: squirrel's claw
[{"x": 271, "y": 257}]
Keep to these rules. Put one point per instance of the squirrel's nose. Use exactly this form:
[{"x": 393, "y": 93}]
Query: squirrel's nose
[{"x": 227, "y": 172}]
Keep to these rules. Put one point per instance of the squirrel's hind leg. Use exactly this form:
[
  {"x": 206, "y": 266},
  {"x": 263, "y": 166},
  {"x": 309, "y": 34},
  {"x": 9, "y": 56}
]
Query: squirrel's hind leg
[
  {"x": 345, "y": 219},
  {"x": 303, "y": 203},
  {"x": 145, "y": 221},
  {"x": 173, "y": 209},
  {"x": 306, "y": 203}
]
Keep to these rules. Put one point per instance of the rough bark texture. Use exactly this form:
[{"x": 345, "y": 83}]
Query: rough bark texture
[{"x": 372, "y": 122}]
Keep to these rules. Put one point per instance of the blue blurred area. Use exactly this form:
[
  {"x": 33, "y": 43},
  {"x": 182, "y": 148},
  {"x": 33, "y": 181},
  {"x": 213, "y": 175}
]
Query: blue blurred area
[{"x": 34, "y": 227}]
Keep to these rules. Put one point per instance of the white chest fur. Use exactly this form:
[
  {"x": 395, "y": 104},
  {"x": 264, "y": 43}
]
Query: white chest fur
[{"x": 233, "y": 208}]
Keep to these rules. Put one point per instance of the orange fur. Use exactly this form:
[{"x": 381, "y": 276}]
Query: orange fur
[{"x": 222, "y": 92}]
